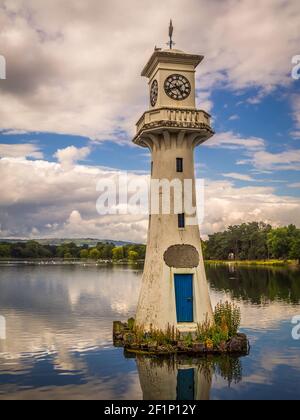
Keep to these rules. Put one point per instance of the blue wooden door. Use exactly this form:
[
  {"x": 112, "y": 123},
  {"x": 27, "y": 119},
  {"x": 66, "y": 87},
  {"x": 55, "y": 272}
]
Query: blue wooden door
[
  {"x": 186, "y": 385},
  {"x": 184, "y": 297}
]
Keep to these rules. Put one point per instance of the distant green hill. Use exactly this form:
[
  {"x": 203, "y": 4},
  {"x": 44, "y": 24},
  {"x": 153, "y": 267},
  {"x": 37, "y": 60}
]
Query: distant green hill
[{"x": 60, "y": 241}]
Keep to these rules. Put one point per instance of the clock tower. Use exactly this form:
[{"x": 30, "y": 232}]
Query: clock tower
[{"x": 174, "y": 288}]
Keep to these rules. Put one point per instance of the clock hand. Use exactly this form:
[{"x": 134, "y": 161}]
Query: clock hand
[
  {"x": 176, "y": 90},
  {"x": 181, "y": 87}
]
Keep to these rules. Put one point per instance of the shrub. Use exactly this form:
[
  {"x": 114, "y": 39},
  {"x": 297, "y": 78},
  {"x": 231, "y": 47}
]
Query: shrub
[
  {"x": 131, "y": 322},
  {"x": 169, "y": 336},
  {"x": 211, "y": 334},
  {"x": 227, "y": 317},
  {"x": 188, "y": 340}
]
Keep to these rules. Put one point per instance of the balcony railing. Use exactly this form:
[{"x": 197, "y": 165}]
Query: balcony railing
[{"x": 172, "y": 117}]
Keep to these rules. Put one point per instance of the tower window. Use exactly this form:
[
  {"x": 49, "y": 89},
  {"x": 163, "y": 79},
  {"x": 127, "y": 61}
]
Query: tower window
[
  {"x": 179, "y": 165},
  {"x": 181, "y": 221}
]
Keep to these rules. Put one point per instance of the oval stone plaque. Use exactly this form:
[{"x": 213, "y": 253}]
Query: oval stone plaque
[{"x": 182, "y": 256}]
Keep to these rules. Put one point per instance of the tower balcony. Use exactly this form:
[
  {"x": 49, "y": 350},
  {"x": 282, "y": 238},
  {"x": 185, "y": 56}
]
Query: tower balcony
[{"x": 173, "y": 119}]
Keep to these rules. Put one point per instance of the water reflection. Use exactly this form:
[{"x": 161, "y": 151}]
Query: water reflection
[
  {"x": 57, "y": 312},
  {"x": 184, "y": 378},
  {"x": 59, "y": 337},
  {"x": 256, "y": 284}
]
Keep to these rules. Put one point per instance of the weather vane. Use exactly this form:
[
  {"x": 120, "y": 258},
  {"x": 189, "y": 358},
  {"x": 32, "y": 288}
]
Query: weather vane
[{"x": 171, "y": 43}]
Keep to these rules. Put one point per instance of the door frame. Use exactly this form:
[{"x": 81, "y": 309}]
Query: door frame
[{"x": 191, "y": 271}]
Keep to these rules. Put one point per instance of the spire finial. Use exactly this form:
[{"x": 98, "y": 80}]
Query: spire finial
[{"x": 171, "y": 43}]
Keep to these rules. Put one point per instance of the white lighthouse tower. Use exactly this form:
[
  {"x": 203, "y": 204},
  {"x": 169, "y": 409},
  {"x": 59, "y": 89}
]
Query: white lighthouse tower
[{"x": 174, "y": 287}]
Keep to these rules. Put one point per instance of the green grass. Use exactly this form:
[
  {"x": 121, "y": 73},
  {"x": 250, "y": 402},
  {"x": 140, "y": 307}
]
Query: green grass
[{"x": 271, "y": 263}]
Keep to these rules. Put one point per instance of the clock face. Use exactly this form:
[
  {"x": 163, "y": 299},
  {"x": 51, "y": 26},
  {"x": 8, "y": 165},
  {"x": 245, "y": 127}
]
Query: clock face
[
  {"x": 177, "y": 87},
  {"x": 154, "y": 93}
]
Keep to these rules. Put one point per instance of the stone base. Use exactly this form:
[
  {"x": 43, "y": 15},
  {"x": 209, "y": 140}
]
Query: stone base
[{"x": 125, "y": 336}]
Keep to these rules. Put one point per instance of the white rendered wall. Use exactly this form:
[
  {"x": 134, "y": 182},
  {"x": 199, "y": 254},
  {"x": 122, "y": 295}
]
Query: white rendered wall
[{"x": 157, "y": 304}]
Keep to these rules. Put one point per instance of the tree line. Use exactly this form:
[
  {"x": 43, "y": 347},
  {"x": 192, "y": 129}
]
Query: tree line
[
  {"x": 102, "y": 251},
  {"x": 248, "y": 241},
  {"x": 254, "y": 241}
]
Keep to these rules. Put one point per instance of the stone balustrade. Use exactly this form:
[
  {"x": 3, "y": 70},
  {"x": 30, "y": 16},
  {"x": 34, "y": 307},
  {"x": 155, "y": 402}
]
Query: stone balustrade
[{"x": 173, "y": 117}]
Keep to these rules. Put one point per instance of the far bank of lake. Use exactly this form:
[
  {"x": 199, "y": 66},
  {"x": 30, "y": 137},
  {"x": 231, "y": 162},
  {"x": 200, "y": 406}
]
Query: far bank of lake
[
  {"x": 264, "y": 263},
  {"x": 89, "y": 262}
]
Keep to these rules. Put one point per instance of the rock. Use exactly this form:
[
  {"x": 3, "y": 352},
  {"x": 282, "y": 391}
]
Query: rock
[
  {"x": 238, "y": 344},
  {"x": 198, "y": 348},
  {"x": 118, "y": 344},
  {"x": 134, "y": 346},
  {"x": 244, "y": 343},
  {"x": 222, "y": 347},
  {"x": 162, "y": 349},
  {"x": 182, "y": 347},
  {"x": 152, "y": 346},
  {"x": 119, "y": 337},
  {"x": 165, "y": 349},
  {"x": 144, "y": 346}
]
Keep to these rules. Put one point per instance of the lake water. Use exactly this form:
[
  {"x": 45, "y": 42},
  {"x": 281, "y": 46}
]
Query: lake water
[{"x": 59, "y": 337}]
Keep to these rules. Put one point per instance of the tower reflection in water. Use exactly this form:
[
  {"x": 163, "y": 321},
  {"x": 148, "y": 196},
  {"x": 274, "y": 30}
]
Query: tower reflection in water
[{"x": 184, "y": 378}]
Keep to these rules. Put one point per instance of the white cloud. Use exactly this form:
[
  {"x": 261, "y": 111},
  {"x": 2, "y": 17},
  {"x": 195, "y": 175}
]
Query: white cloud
[
  {"x": 40, "y": 198},
  {"x": 45, "y": 199},
  {"x": 238, "y": 176},
  {"x": 132, "y": 228},
  {"x": 296, "y": 115},
  {"x": 284, "y": 161},
  {"x": 257, "y": 156},
  {"x": 295, "y": 134},
  {"x": 226, "y": 204},
  {"x": 294, "y": 185},
  {"x": 12, "y": 132},
  {"x": 74, "y": 67},
  {"x": 254, "y": 100},
  {"x": 20, "y": 150},
  {"x": 230, "y": 140},
  {"x": 71, "y": 155},
  {"x": 204, "y": 100}
]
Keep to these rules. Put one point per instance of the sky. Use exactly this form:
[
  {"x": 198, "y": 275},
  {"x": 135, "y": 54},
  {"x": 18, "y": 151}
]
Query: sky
[{"x": 73, "y": 94}]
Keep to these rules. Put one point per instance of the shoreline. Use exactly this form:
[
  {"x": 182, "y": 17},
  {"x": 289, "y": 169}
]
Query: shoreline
[
  {"x": 59, "y": 262},
  {"x": 54, "y": 262},
  {"x": 256, "y": 263}
]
